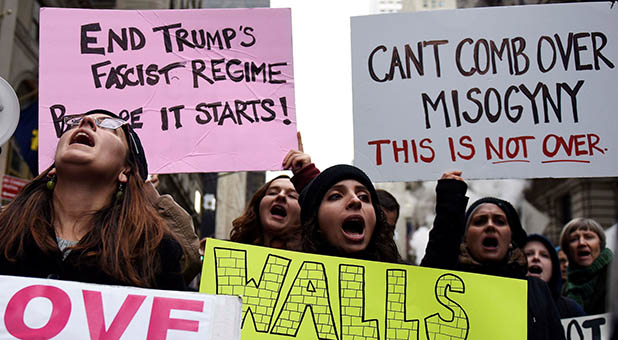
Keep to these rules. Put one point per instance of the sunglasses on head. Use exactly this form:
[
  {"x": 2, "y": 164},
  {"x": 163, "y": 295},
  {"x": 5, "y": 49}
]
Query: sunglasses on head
[{"x": 110, "y": 123}]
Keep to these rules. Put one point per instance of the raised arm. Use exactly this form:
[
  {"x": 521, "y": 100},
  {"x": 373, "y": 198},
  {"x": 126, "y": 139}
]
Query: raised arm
[
  {"x": 449, "y": 225},
  {"x": 300, "y": 164}
]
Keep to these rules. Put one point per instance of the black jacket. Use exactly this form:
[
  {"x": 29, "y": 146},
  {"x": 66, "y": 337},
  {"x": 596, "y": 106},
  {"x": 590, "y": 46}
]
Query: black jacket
[
  {"x": 75, "y": 267},
  {"x": 567, "y": 307},
  {"x": 443, "y": 251}
]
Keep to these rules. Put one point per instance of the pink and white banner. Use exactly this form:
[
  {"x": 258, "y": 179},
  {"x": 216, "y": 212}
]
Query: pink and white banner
[
  {"x": 33, "y": 308},
  {"x": 206, "y": 90}
]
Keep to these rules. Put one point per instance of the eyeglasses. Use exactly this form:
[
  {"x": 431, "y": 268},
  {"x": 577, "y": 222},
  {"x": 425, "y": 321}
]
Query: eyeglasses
[{"x": 110, "y": 123}]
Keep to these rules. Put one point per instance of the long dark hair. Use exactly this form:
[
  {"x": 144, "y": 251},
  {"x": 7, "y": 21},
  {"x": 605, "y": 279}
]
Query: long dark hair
[
  {"x": 248, "y": 228},
  {"x": 122, "y": 242},
  {"x": 381, "y": 247}
]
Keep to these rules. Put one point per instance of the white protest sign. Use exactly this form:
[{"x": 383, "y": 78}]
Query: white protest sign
[
  {"x": 33, "y": 308},
  {"x": 591, "y": 327},
  {"x": 509, "y": 92}
]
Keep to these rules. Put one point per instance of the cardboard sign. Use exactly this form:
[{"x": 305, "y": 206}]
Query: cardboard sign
[
  {"x": 206, "y": 90},
  {"x": 44, "y": 309},
  {"x": 497, "y": 92},
  {"x": 591, "y": 327},
  {"x": 292, "y": 295},
  {"x": 11, "y": 186}
]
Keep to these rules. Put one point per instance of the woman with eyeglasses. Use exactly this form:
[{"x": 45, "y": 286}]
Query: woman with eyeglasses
[{"x": 87, "y": 218}]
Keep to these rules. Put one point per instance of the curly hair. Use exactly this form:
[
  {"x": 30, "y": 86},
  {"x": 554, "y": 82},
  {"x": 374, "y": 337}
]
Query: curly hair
[
  {"x": 381, "y": 247},
  {"x": 248, "y": 227},
  {"x": 123, "y": 240}
]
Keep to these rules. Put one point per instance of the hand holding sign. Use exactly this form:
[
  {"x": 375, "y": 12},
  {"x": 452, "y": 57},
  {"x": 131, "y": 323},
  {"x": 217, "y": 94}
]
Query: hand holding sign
[{"x": 455, "y": 174}]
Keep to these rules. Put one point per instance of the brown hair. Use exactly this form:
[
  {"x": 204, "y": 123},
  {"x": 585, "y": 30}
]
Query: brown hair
[
  {"x": 248, "y": 228},
  {"x": 122, "y": 242},
  {"x": 381, "y": 247}
]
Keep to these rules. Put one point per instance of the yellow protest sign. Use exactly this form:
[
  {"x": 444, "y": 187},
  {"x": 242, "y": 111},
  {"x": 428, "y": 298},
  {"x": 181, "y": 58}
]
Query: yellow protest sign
[{"x": 289, "y": 295}]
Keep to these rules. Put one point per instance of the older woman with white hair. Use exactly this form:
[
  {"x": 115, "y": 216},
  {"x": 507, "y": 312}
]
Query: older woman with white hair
[{"x": 583, "y": 241}]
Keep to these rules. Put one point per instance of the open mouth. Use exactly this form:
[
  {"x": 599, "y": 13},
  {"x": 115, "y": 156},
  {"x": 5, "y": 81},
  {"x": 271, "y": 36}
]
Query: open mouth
[
  {"x": 535, "y": 270},
  {"x": 81, "y": 138},
  {"x": 354, "y": 227},
  {"x": 583, "y": 253},
  {"x": 278, "y": 210},
  {"x": 490, "y": 242}
]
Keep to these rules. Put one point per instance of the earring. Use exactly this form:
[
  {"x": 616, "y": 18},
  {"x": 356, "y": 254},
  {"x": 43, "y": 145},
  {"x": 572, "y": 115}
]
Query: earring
[
  {"x": 120, "y": 191},
  {"x": 51, "y": 183}
]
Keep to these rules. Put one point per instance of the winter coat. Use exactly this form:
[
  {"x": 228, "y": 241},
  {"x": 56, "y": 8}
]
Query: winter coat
[
  {"x": 444, "y": 251},
  {"x": 76, "y": 267},
  {"x": 567, "y": 307},
  {"x": 181, "y": 223},
  {"x": 588, "y": 285}
]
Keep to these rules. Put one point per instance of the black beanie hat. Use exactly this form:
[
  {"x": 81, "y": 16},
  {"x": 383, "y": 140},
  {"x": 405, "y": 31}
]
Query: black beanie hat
[
  {"x": 311, "y": 196},
  {"x": 518, "y": 234},
  {"x": 135, "y": 145}
]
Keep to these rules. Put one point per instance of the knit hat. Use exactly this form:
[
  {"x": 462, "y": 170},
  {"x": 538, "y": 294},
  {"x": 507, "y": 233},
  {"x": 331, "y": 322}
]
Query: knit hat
[
  {"x": 518, "y": 234},
  {"x": 311, "y": 196},
  {"x": 135, "y": 145}
]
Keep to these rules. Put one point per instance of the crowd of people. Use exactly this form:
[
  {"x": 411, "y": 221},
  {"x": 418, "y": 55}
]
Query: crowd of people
[{"x": 93, "y": 216}]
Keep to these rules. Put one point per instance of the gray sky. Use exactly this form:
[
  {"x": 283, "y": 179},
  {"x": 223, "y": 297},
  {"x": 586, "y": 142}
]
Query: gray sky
[{"x": 322, "y": 75}]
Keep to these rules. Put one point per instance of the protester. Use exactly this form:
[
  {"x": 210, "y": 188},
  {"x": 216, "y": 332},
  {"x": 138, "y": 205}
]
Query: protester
[
  {"x": 583, "y": 240},
  {"x": 543, "y": 263},
  {"x": 87, "y": 218},
  {"x": 271, "y": 218},
  {"x": 487, "y": 239},
  {"x": 564, "y": 263},
  {"x": 341, "y": 216},
  {"x": 389, "y": 206}
]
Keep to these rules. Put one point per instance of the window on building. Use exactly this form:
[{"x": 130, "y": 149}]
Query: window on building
[{"x": 425, "y": 3}]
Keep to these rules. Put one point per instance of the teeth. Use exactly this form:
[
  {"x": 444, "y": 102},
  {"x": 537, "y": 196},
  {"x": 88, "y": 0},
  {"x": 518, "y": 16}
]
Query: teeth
[{"x": 82, "y": 138}]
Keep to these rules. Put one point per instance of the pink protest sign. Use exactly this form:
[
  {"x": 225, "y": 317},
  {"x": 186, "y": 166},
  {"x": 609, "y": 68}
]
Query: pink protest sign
[{"x": 206, "y": 90}]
